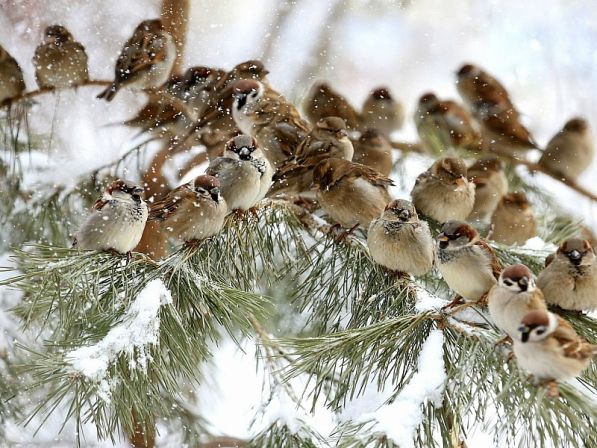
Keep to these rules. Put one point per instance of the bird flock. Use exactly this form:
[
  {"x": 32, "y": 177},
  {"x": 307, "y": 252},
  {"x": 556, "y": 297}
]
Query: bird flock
[{"x": 336, "y": 159}]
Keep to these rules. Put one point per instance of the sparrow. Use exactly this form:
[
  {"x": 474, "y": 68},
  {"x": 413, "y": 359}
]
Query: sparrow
[
  {"x": 329, "y": 138},
  {"x": 443, "y": 192},
  {"x": 198, "y": 88},
  {"x": 244, "y": 173},
  {"x": 570, "y": 279},
  {"x": 514, "y": 295},
  {"x": 400, "y": 241},
  {"x": 323, "y": 101},
  {"x": 60, "y": 61},
  {"x": 445, "y": 124},
  {"x": 11, "y": 77},
  {"x": 350, "y": 193},
  {"x": 269, "y": 117},
  {"x": 570, "y": 152},
  {"x": 467, "y": 263},
  {"x": 193, "y": 211},
  {"x": 145, "y": 61},
  {"x": 491, "y": 184},
  {"x": 374, "y": 150},
  {"x": 380, "y": 111},
  {"x": 548, "y": 347},
  {"x": 513, "y": 221},
  {"x": 116, "y": 221}
]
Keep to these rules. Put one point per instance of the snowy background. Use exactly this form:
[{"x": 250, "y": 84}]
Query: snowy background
[{"x": 544, "y": 51}]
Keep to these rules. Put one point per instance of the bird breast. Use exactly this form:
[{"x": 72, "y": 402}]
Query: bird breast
[
  {"x": 545, "y": 360},
  {"x": 467, "y": 271}
]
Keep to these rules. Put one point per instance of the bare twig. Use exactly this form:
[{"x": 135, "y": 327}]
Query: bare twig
[
  {"x": 34, "y": 93},
  {"x": 408, "y": 147}
]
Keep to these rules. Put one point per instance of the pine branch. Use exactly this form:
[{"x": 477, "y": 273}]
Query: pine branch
[{"x": 35, "y": 93}]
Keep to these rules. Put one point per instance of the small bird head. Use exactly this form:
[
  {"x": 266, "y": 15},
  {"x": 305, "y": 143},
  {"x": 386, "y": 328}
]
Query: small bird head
[
  {"x": 332, "y": 127},
  {"x": 451, "y": 170},
  {"x": 428, "y": 102},
  {"x": 372, "y": 137},
  {"x": 483, "y": 169},
  {"x": 246, "y": 91},
  {"x": 400, "y": 210},
  {"x": 577, "y": 124},
  {"x": 516, "y": 200},
  {"x": 381, "y": 93},
  {"x": 577, "y": 251},
  {"x": 517, "y": 278},
  {"x": 241, "y": 147},
  {"x": 207, "y": 187},
  {"x": 537, "y": 325},
  {"x": 198, "y": 76},
  {"x": 153, "y": 26},
  {"x": 125, "y": 190},
  {"x": 252, "y": 69},
  {"x": 57, "y": 34},
  {"x": 456, "y": 234},
  {"x": 468, "y": 71}
]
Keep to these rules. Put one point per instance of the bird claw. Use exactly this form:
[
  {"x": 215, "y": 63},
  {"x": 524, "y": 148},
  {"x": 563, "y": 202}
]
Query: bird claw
[
  {"x": 504, "y": 340},
  {"x": 552, "y": 388},
  {"x": 254, "y": 211},
  {"x": 345, "y": 234},
  {"x": 457, "y": 300}
]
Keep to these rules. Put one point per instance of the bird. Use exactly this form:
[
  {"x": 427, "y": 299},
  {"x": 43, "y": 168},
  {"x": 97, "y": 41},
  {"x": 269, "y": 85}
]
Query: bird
[
  {"x": 382, "y": 112},
  {"x": 446, "y": 124},
  {"x": 399, "y": 241},
  {"x": 60, "y": 61},
  {"x": 570, "y": 152},
  {"x": 192, "y": 212},
  {"x": 548, "y": 348},
  {"x": 513, "y": 221},
  {"x": 244, "y": 173},
  {"x": 491, "y": 184},
  {"x": 269, "y": 117},
  {"x": 11, "y": 77},
  {"x": 466, "y": 262},
  {"x": 373, "y": 150},
  {"x": 443, "y": 192},
  {"x": 328, "y": 138},
  {"x": 322, "y": 101},
  {"x": 570, "y": 279},
  {"x": 199, "y": 86},
  {"x": 350, "y": 193},
  {"x": 116, "y": 221},
  {"x": 514, "y": 295},
  {"x": 145, "y": 61}
]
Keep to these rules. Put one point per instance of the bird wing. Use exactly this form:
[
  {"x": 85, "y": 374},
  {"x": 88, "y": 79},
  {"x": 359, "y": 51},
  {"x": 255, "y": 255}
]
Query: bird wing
[
  {"x": 140, "y": 53},
  {"x": 357, "y": 170},
  {"x": 509, "y": 128},
  {"x": 496, "y": 269},
  {"x": 161, "y": 210},
  {"x": 101, "y": 202},
  {"x": 572, "y": 344}
]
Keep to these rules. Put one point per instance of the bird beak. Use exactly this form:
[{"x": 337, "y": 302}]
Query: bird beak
[
  {"x": 138, "y": 190},
  {"x": 342, "y": 133},
  {"x": 244, "y": 153},
  {"x": 575, "y": 255},
  {"x": 460, "y": 182},
  {"x": 442, "y": 237},
  {"x": 404, "y": 214},
  {"x": 524, "y": 333},
  {"x": 215, "y": 194}
]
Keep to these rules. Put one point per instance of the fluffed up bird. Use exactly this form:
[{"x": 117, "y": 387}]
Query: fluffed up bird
[
  {"x": 490, "y": 185},
  {"x": 116, "y": 221},
  {"x": 513, "y": 221},
  {"x": 60, "y": 61},
  {"x": 244, "y": 173},
  {"x": 570, "y": 152},
  {"x": 192, "y": 212},
  {"x": 467, "y": 263},
  {"x": 400, "y": 241},
  {"x": 382, "y": 112},
  {"x": 570, "y": 279},
  {"x": 322, "y": 101},
  {"x": 513, "y": 297},
  {"x": 443, "y": 192},
  {"x": 269, "y": 117},
  {"x": 145, "y": 61},
  {"x": 329, "y": 138},
  {"x": 548, "y": 348},
  {"x": 373, "y": 150},
  {"x": 11, "y": 77},
  {"x": 351, "y": 194}
]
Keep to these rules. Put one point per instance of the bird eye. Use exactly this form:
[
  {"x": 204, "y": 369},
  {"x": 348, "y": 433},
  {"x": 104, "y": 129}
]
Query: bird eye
[
  {"x": 508, "y": 282},
  {"x": 540, "y": 331}
]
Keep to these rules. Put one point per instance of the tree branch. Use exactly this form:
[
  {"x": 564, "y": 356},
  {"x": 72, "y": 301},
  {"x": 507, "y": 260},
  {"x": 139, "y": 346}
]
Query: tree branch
[{"x": 38, "y": 92}]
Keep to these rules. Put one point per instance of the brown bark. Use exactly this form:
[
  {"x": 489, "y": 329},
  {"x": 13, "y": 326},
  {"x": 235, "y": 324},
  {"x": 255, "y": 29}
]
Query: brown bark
[
  {"x": 175, "y": 17},
  {"x": 139, "y": 438}
]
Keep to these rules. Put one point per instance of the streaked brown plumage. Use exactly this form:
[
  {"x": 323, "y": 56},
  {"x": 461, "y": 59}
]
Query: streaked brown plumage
[
  {"x": 513, "y": 221},
  {"x": 323, "y": 101},
  {"x": 373, "y": 150},
  {"x": 382, "y": 112}
]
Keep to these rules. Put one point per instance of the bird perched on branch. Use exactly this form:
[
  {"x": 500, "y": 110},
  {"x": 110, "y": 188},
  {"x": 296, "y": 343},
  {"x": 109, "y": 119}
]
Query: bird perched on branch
[
  {"x": 548, "y": 347},
  {"x": 329, "y": 138},
  {"x": 443, "y": 192},
  {"x": 570, "y": 279},
  {"x": 145, "y": 61},
  {"x": 193, "y": 211},
  {"x": 11, "y": 77},
  {"x": 513, "y": 221},
  {"x": 400, "y": 241},
  {"x": 570, "y": 152},
  {"x": 513, "y": 297},
  {"x": 116, "y": 221},
  {"x": 467, "y": 263},
  {"x": 322, "y": 101},
  {"x": 490, "y": 185},
  {"x": 269, "y": 117},
  {"x": 60, "y": 61},
  {"x": 373, "y": 150},
  {"x": 382, "y": 112},
  {"x": 446, "y": 124},
  {"x": 244, "y": 173}
]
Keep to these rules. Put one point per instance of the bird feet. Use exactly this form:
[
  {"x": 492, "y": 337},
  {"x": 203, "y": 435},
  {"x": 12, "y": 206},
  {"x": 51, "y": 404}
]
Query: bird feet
[
  {"x": 345, "y": 234},
  {"x": 504, "y": 340},
  {"x": 457, "y": 300},
  {"x": 552, "y": 388},
  {"x": 482, "y": 302},
  {"x": 254, "y": 211},
  {"x": 192, "y": 244}
]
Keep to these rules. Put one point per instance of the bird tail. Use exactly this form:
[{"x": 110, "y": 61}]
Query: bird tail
[{"x": 109, "y": 93}]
